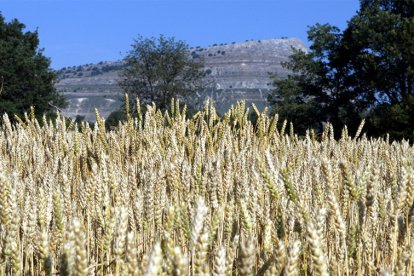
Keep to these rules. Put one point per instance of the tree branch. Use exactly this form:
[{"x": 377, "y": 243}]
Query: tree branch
[
  {"x": 1, "y": 86},
  {"x": 58, "y": 109}
]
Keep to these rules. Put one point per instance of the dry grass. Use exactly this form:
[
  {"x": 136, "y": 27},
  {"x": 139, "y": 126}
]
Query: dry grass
[{"x": 166, "y": 195}]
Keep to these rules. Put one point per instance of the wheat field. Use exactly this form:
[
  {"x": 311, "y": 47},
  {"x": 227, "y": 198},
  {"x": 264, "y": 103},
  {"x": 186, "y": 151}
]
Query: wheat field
[{"x": 166, "y": 195}]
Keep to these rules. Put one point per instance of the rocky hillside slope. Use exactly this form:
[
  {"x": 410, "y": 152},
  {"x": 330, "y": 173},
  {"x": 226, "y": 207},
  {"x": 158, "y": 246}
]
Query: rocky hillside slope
[{"x": 235, "y": 71}]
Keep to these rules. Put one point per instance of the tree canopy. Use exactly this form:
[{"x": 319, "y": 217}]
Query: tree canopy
[
  {"x": 25, "y": 76},
  {"x": 159, "y": 69},
  {"x": 364, "y": 71}
]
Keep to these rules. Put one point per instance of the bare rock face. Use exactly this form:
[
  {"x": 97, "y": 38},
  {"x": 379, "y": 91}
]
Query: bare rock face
[{"x": 235, "y": 71}]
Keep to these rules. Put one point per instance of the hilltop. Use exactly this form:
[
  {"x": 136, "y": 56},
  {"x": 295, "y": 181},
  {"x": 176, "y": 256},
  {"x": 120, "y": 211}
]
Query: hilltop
[{"x": 234, "y": 71}]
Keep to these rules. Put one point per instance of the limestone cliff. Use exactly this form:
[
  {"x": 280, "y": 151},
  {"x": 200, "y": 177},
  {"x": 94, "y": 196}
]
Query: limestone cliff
[{"x": 235, "y": 71}]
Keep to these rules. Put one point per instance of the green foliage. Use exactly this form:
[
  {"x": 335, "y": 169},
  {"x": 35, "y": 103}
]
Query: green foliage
[
  {"x": 317, "y": 91},
  {"x": 24, "y": 72},
  {"x": 397, "y": 119},
  {"x": 159, "y": 69},
  {"x": 115, "y": 118},
  {"x": 365, "y": 71}
]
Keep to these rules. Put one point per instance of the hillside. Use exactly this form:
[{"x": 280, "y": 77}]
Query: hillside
[{"x": 234, "y": 71}]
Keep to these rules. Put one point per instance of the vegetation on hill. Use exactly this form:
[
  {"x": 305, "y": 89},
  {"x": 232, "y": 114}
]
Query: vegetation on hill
[
  {"x": 166, "y": 195},
  {"x": 25, "y": 77},
  {"x": 88, "y": 70},
  {"x": 364, "y": 71}
]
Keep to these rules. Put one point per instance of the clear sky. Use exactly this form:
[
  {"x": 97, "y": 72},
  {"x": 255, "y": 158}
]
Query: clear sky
[{"x": 74, "y": 32}]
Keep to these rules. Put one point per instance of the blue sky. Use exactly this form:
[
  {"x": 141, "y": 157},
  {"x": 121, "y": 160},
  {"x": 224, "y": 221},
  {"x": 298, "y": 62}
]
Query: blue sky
[{"x": 76, "y": 32}]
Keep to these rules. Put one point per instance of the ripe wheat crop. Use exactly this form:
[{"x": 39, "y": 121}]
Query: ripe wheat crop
[{"x": 163, "y": 194}]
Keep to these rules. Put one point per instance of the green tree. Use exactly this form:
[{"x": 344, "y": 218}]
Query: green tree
[
  {"x": 24, "y": 72},
  {"x": 382, "y": 39},
  {"x": 114, "y": 118},
  {"x": 319, "y": 89},
  {"x": 364, "y": 71},
  {"x": 158, "y": 69}
]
